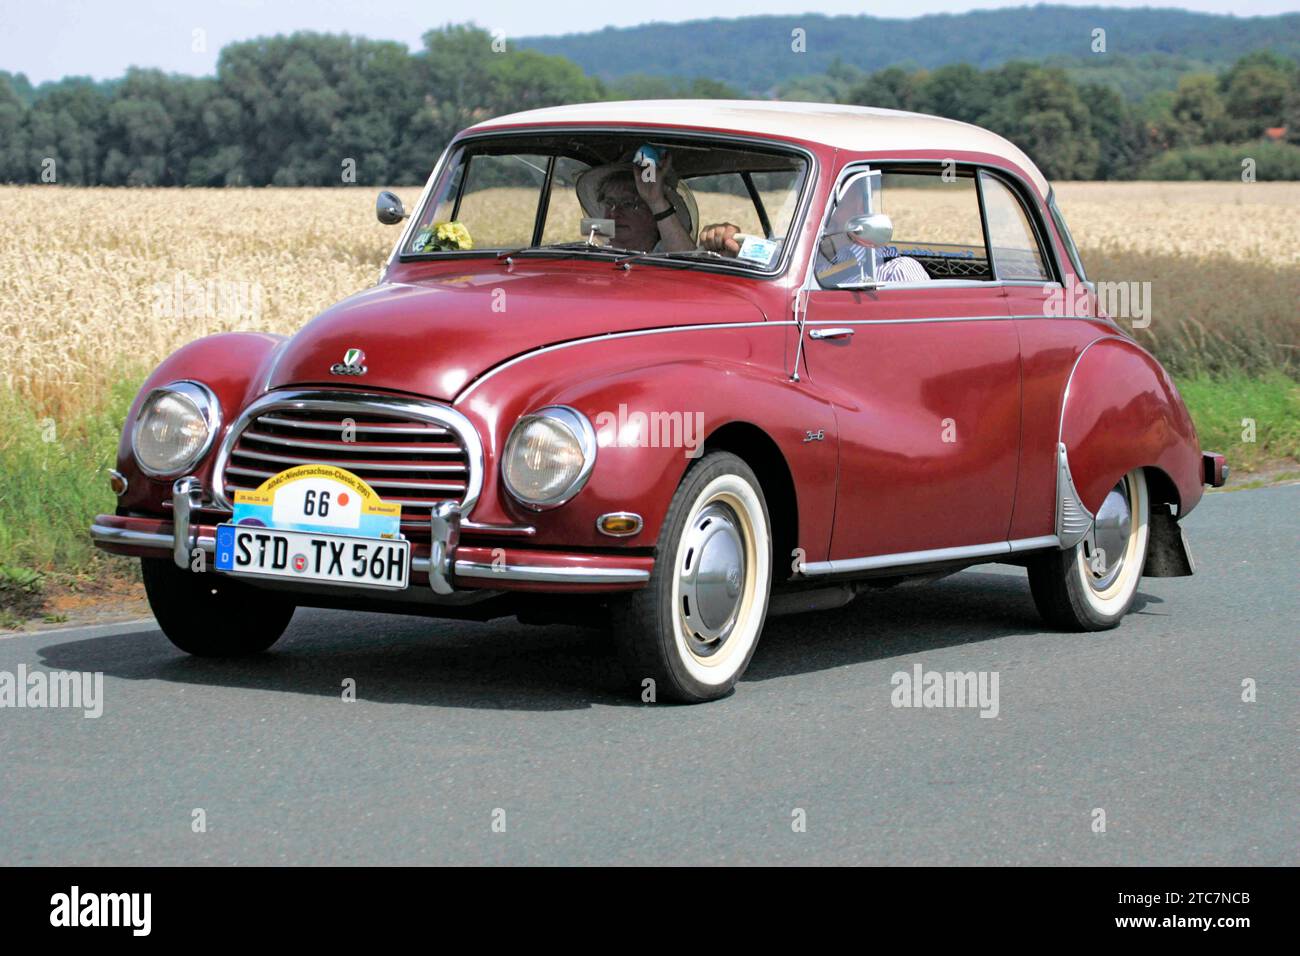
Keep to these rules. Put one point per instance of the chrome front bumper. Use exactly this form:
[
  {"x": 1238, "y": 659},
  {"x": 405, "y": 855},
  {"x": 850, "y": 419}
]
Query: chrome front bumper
[{"x": 442, "y": 566}]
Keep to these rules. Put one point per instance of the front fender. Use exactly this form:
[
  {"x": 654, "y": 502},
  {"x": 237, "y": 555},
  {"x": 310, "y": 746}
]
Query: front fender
[
  {"x": 654, "y": 401},
  {"x": 234, "y": 365},
  {"x": 1121, "y": 411}
]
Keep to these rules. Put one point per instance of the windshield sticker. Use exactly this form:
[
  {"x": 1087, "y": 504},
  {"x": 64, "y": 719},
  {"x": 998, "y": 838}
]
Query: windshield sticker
[{"x": 757, "y": 250}]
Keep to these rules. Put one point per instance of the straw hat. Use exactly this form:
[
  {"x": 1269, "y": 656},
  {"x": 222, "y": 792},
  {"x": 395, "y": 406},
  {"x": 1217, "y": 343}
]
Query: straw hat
[{"x": 589, "y": 185}]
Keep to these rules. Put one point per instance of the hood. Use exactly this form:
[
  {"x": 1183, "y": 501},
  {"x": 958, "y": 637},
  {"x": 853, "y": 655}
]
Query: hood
[{"x": 435, "y": 334}]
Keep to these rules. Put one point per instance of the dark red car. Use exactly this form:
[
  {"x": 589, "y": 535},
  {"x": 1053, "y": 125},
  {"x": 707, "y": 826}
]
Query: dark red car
[{"x": 670, "y": 366}]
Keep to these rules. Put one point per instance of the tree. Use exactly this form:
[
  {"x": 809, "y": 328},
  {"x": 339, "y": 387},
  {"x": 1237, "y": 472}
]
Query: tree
[
  {"x": 13, "y": 135},
  {"x": 64, "y": 125},
  {"x": 958, "y": 92},
  {"x": 1255, "y": 93},
  {"x": 1198, "y": 111}
]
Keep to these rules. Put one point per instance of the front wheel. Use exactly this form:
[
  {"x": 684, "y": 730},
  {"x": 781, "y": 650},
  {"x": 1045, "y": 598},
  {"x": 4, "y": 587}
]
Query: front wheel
[
  {"x": 1091, "y": 586},
  {"x": 210, "y": 615},
  {"x": 694, "y": 628}
]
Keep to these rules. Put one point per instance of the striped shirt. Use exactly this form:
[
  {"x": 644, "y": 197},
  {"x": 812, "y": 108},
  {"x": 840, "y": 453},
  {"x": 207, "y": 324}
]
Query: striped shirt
[{"x": 898, "y": 269}]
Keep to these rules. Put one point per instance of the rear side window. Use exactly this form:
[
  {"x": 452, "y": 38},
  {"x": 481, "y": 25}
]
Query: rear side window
[{"x": 1016, "y": 252}]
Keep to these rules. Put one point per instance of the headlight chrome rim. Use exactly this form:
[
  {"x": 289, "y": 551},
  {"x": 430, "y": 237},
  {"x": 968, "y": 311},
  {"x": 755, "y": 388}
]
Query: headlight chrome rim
[
  {"x": 576, "y": 424},
  {"x": 203, "y": 401}
]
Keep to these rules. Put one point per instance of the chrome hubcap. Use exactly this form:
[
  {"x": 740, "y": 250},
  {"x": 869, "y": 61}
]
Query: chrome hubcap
[
  {"x": 1106, "y": 547},
  {"x": 712, "y": 578}
]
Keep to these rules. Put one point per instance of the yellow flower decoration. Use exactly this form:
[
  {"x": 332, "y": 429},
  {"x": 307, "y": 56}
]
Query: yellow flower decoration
[
  {"x": 443, "y": 237},
  {"x": 452, "y": 235}
]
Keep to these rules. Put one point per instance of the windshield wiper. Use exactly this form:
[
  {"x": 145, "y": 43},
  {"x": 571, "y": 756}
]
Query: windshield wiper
[
  {"x": 580, "y": 245},
  {"x": 688, "y": 254}
]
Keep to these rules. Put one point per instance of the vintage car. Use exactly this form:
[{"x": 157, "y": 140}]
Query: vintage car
[{"x": 668, "y": 368}]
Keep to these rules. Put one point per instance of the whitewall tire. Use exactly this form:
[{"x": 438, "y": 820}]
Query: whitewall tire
[
  {"x": 1091, "y": 586},
  {"x": 694, "y": 628}
]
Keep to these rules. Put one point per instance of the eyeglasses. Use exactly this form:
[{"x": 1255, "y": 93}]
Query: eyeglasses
[{"x": 627, "y": 202}]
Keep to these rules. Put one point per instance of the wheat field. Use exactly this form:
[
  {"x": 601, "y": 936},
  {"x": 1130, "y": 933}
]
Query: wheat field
[{"x": 101, "y": 283}]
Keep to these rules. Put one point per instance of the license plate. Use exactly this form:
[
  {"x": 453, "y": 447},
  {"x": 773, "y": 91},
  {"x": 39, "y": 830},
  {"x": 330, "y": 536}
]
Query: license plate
[{"x": 333, "y": 558}]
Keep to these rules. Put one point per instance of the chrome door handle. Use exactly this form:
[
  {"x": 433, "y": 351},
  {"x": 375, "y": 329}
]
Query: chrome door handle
[{"x": 838, "y": 333}]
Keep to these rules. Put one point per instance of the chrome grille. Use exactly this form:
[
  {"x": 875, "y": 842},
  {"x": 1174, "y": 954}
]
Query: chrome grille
[{"x": 413, "y": 453}]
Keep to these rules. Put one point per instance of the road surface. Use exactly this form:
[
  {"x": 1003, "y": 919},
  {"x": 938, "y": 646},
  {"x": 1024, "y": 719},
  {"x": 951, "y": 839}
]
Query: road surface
[{"x": 502, "y": 743}]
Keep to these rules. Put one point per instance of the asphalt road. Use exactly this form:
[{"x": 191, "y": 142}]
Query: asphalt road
[{"x": 455, "y": 722}]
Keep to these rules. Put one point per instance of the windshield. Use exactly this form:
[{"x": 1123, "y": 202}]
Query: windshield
[{"x": 684, "y": 199}]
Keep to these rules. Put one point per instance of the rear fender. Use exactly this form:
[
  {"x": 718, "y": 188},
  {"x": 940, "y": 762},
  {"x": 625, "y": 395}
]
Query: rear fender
[{"x": 1121, "y": 411}]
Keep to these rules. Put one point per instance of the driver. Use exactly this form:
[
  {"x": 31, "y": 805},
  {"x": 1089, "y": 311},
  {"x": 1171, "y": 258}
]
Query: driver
[
  {"x": 651, "y": 216},
  {"x": 656, "y": 214}
]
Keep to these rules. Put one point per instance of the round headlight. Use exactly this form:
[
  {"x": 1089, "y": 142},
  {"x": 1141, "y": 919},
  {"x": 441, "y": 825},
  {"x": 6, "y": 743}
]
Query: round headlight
[
  {"x": 174, "y": 428},
  {"x": 548, "y": 456}
]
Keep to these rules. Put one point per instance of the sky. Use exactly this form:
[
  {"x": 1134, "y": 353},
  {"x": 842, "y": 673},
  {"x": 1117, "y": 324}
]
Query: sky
[{"x": 49, "y": 39}]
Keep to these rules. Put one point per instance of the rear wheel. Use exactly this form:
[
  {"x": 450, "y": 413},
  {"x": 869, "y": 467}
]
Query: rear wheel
[
  {"x": 1091, "y": 586},
  {"x": 694, "y": 628},
  {"x": 210, "y": 615}
]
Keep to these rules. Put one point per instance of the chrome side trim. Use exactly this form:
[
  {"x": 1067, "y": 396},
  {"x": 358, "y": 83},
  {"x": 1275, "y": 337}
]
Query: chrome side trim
[
  {"x": 711, "y": 326},
  {"x": 357, "y": 403},
  {"x": 609, "y": 337},
  {"x": 1069, "y": 379},
  {"x": 1073, "y": 520},
  {"x": 556, "y": 575},
  {"x": 933, "y": 556}
]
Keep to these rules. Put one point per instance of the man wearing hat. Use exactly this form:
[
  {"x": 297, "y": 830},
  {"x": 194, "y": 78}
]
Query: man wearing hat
[{"x": 652, "y": 211}]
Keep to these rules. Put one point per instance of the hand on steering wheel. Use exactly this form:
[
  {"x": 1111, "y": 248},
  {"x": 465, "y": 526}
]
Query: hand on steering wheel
[{"x": 720, "y": 238}]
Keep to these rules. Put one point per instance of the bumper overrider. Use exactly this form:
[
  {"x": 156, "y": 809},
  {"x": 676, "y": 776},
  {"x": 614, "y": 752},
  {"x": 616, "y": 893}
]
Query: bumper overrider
[{"x": 445, "y": 565}]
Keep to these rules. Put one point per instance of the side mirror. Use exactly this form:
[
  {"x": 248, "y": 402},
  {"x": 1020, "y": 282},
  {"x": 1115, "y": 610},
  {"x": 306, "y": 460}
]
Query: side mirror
[
  {"x": 389, "y": 209},
  {"x": 870, "y": 231}
]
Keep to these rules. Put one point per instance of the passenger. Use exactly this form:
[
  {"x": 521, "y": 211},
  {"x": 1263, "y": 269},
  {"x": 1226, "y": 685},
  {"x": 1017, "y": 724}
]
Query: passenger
[{"x": 837, "y": 248}]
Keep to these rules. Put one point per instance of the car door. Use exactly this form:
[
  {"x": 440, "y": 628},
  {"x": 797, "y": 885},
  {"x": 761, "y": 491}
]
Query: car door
[{"x": 924, "y": 373}]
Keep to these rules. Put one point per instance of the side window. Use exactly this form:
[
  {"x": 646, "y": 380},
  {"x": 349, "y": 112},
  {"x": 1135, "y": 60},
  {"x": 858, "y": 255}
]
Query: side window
[
  {"x": 937, "y": 223},
  {"x": 1016, "y": 253},
  {"x": 937, "y": 231}
]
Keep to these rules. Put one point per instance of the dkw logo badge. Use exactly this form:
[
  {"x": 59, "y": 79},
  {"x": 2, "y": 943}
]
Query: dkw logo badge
[{"x": 353, "y": 363}]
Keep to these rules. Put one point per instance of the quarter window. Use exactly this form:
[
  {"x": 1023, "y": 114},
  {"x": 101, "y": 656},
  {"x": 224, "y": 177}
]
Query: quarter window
[{"x": 1016, "y": 253}]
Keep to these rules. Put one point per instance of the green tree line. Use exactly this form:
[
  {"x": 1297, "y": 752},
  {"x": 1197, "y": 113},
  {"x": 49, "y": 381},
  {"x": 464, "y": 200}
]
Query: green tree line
[{"x": 317, "y": 109}]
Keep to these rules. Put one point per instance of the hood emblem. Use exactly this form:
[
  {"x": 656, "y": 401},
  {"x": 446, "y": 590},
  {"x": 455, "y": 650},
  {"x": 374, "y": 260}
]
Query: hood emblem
[{"x": 353, "y": 363}]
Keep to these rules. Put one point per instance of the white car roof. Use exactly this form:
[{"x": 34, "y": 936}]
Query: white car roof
[{"x": 850, "y": 128}]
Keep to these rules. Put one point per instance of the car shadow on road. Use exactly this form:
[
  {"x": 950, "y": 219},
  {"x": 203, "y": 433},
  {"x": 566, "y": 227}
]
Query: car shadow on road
[{"x": 505, "y": 665}]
